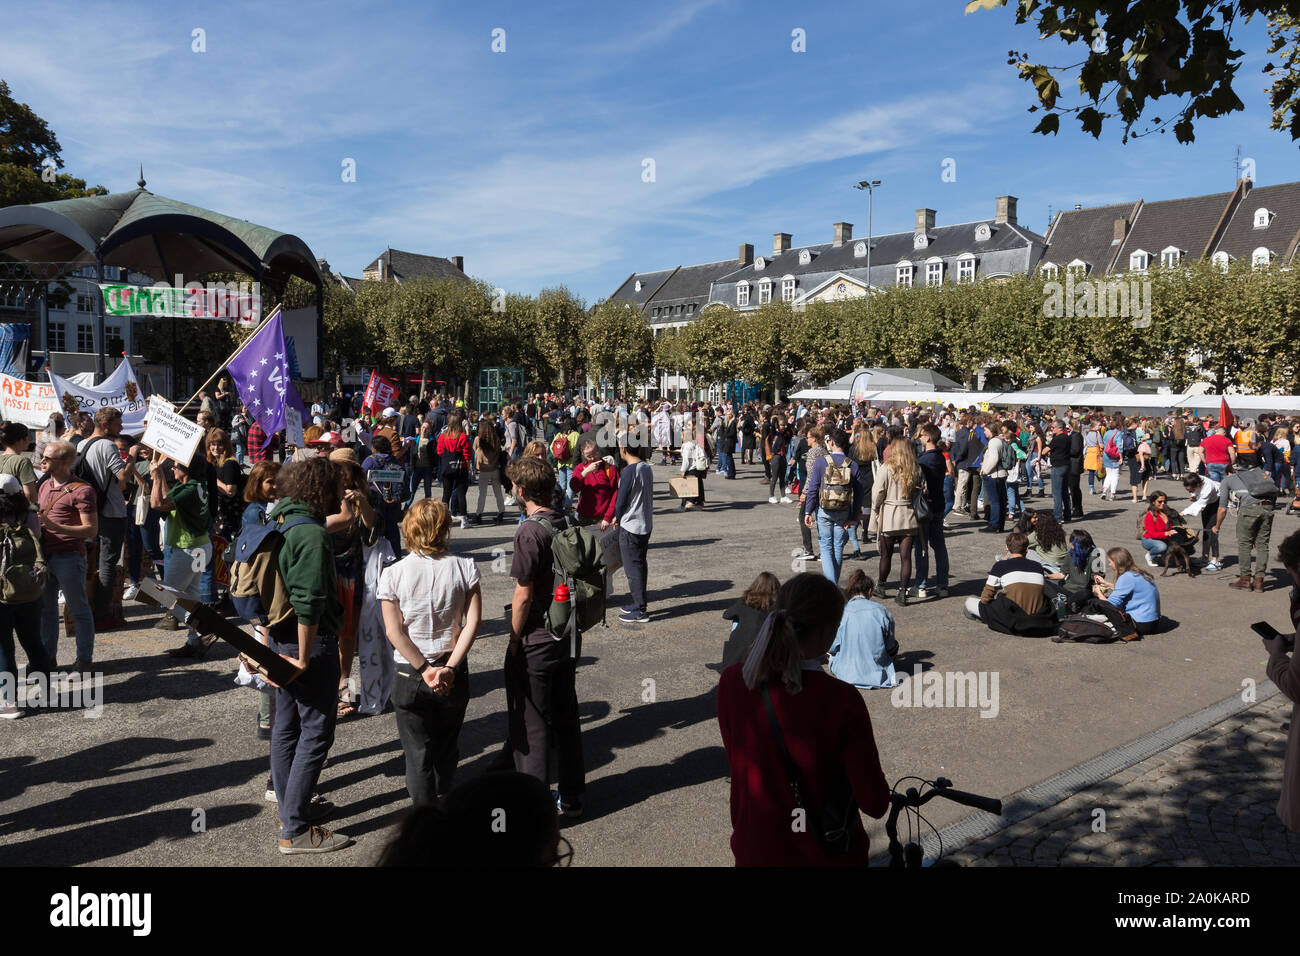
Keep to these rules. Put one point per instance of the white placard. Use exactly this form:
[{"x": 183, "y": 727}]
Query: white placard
[
  {"x": 292, "y": 426},
  {"x": 173, "y": 435}
]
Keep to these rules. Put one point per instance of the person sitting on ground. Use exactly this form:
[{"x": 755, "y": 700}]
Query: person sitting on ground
[
  {"x": 865, "y": 646},
  {"x": 747, "y": 616},
  {"x": 780, "y": 688},
  {"x": 1014, "y": 600},
  {"x": 1085, "y": 567},
  {"x": 1133, "y": 592},
  {"x": 1047, "y": 544}
]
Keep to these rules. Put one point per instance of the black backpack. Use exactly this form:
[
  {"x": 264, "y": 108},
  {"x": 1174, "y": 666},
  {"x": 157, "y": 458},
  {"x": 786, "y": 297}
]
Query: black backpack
[
  {"x": 82, "y": 471},
  {"x": 1084, "y": 628}
]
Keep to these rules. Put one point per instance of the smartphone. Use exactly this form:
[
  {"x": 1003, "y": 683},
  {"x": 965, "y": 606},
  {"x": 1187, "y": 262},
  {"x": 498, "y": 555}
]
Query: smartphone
[{"x": 1264, "y": 630}]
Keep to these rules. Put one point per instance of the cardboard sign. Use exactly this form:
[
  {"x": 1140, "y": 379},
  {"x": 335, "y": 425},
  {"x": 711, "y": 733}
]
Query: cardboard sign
[
  {"x": 684, "y": 486},
  {"x": 293, "y": 426},
  {"x": 384, "y": 476},
  {"x": 173, "y": 435}
]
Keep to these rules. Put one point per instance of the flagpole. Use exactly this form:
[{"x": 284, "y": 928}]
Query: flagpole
[{"x": 234, "y": 355}]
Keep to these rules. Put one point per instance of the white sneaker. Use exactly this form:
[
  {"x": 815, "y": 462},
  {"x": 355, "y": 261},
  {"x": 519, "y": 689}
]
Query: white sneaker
[
  {"x": 1213, "y": 566},
  {"x": 10, "y": 711},
  {"x": 787, "y": 500},
  {"x": 1151, "y": 562},
  {"x": 922, "y": 593},
  {"x": 771, "y": 501},
  {"x": 131, "y": 591},
  {"x": 463, "y": 524},
  {"x": 510, "y": 502}
]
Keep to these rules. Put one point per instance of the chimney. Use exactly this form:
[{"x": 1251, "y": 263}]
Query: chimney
[
  {"x": 924, "y": 220},
  {"x": 458, "y": 262},
  {"x": 780, "y": 243},
  {"x": 1121, "y": 230},
  {"x": 746, "y": 256},
  {"x": 843, "y": 233},
  {"x": 1006, "y": 210}
]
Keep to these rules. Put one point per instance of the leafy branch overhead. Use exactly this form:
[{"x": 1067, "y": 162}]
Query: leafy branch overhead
[{"x": 1132, "y": 53}]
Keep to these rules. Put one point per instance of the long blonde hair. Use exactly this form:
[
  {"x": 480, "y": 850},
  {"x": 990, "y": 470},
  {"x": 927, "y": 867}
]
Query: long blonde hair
[{"x": 900, "y": 458}]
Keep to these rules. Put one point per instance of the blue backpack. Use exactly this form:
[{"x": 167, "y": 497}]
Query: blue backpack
[
  {"x": 256, "y": 586},
  {"x": 1130, "y": 442}
]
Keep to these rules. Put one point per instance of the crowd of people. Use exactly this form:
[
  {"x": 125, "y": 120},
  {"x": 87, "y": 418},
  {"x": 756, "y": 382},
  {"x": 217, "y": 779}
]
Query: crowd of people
[{"x": 366, "y": 538}]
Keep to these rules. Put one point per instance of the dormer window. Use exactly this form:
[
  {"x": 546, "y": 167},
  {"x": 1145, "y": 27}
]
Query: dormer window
[
  {"x": 1139, "y": 260},
  {"x": 1221, "y": 261},
  {"x": 920, "y": 241},
  {"x": 859, "y": 250},
  {"x": 742, "y": 294},
  {"x": 934, "y": 271},
  {"x": 760, "y": 264},
  {"x": 1049, "y": 269},
  {"x": 638, "y": 285},
  {"x": 983, "y": 232},
  {"x": 904, "y": 273},
  {"x": 1260, "y": 258},
  {"x": 1077, "y": 268},
  {"x": 1262, "y": 218},
  {"x": 966, "y": 268},
  {"x": 765, "y": 291},
  {"x": 805, "y": 257},
  {"x": 1171, "y": 256},
  {"x": 787, "y": 288}
]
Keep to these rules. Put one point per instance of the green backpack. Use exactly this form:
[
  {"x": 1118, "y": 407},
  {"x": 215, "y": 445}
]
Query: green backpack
[
  {"x": 578, "y": 561},
  {"x": 22, "y": 565}
]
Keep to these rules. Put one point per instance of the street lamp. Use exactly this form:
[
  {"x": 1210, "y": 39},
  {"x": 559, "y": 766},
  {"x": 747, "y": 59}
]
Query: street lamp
[{"x": 870, "y": 187}]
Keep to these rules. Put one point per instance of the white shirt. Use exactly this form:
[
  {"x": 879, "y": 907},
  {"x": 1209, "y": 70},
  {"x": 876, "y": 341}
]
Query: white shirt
[
  {"x": 432, "y": 594},
  {"x": 1209, "y": 490}
]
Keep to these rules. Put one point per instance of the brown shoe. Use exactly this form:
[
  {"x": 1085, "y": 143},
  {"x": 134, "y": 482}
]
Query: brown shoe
[
  {"x": 1241, "y": 584},
  {"x": 315, "y": 840},
  {"x": 1259, "y": 583}
]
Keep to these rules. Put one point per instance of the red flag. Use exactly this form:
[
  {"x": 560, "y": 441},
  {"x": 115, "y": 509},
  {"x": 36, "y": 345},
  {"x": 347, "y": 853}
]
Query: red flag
[
  {"x": 1225, "y": 414},
  {"x": 380, "y": 393}
]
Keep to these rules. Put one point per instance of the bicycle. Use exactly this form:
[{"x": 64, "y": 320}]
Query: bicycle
[{"x": 912, "y": 855}]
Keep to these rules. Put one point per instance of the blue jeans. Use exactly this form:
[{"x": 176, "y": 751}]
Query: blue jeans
[
  {"x": 948, "y": 494},
  {"x": 1216, "y": 472},
  {"x": 1013, "y": 497},
  {"x": 67, "y": 573},
  {"x": 995, "y": 494},
  {"x": 1060, "y": 492},
  {"x": 563, "y": 474},
  {"x": 1155, "y": 547},
  {"x": 832, "y": 536},
  {"x": 305, "y": 714},
  {"x": 726, "y": 463},
  {"x": 931, "y": 539}
]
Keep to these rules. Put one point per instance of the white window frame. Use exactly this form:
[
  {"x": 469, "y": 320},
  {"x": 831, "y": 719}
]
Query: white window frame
[
  {"x": 742, "y": 294},
  {"x": 1221, "y": 260},
  {"x": 1078, "y": 267},
  {"x": 1263, "y": 218},
  {"x": 58, "y": 335},
  {"x": 966, "y": 268},
  {"x": 903, "y": 273},
  {"x": 934, "y": 271},
  {"x": 1171, "y": 256},
  {"x": 765, "y": 292},
  {"x": 859, "y": 250},
  {"x": 787, "y": 288},
  {"x": 1050, "y": 269},
  {"x": 1139, "y": 260},
  {"x": 1261, "y": 258}
]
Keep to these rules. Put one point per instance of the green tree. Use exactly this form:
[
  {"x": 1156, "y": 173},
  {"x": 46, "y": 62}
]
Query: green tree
[
  {"x": 1136, "y": 52},
  {"x": 30, "y": 156},
  {"x": 619, "y": 344}
]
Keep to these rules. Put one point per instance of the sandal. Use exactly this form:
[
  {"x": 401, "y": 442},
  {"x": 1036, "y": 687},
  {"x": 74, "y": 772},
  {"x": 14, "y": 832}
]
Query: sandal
[{"x": 346, "y": 708}]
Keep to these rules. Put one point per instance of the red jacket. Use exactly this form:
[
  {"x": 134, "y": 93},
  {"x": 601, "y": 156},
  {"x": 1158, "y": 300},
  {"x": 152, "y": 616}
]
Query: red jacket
[
  {"x": 597, "y": 493},
  {"x": 454, "y": 445},
  {"x": 826, "y": 727},
  {"x": 1155, "y": 526}
]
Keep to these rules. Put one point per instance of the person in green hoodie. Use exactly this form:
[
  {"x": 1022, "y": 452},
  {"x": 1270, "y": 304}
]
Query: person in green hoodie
[{"x": 305, "y": 708}]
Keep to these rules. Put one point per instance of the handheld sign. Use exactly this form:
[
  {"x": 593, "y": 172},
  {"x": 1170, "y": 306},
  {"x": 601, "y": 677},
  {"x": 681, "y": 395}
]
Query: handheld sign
[
  {"x": 387, "y": 476},
  {"x": 170, "y": 434},
  {"x": 293, "y": 426}
]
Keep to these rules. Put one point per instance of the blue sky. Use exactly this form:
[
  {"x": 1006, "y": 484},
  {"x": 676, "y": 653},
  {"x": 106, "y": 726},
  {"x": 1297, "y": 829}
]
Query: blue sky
[{"x": 529, "y": 162}]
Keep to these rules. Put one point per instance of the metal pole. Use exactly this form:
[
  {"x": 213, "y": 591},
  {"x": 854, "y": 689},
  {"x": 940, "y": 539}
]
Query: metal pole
[
  {"x": 871, "y": 196},
  {"x": 99, "y": 317}
]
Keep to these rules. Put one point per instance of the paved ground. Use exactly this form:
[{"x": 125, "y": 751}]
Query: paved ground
[
  {"x": 174, "y": 739},
  {"x": 1207, "y": 801}
]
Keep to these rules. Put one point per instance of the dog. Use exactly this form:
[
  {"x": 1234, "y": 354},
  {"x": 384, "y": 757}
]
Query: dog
[{"x": 1178, "y": 556}]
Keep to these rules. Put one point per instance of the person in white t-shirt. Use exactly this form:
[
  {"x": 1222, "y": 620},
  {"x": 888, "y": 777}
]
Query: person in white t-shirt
[{"x": 432, "y": 605}]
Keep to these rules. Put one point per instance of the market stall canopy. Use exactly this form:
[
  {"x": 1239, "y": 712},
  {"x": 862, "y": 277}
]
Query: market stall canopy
[{"x": 152, "y": 234}]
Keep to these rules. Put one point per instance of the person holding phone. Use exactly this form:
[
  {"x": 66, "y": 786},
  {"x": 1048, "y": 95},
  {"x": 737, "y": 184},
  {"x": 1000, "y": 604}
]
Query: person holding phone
[{"x": 1284, "y": 671}]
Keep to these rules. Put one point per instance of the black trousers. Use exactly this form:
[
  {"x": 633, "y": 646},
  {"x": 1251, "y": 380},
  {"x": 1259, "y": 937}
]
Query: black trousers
[
  {"x": 1076, "y": 493},
  {"x": 632, "y": 548},
  {"x": 428, "y": 726},
  {"x": 542, "y": 710}
]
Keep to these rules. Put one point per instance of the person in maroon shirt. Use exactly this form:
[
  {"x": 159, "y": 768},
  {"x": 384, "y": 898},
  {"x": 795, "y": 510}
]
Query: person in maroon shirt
[
  {"x": 595, "y": 482},
  {"x": 823, "y": 721}
]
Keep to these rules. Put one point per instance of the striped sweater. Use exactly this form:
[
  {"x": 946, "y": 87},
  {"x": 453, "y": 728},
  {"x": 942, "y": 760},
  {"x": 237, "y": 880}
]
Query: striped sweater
[{"x": 1021, "y": 580}]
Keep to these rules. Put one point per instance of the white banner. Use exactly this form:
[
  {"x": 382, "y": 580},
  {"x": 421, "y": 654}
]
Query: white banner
[
  {"x": 31, "y": 403},
  {"x": 120, "y": 390}
]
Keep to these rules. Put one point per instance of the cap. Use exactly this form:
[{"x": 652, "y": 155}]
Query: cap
[
  {"x": 345, "y": 454},
  {"x": 328, "y": 438},
  {"x": 390, "y": 412}
]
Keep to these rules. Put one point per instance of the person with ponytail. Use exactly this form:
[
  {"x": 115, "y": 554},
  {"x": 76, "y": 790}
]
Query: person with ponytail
[
  {"x": 1133, "y": 592},
  {"x": 779, "y": 700}
]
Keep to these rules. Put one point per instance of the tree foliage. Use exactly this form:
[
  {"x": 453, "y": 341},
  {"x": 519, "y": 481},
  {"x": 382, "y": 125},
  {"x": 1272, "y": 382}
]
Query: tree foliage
[
  {"x": 30, "y": 156},
  {"x": 1132, "y": 53},
  {"x": 619, "y": 344}
]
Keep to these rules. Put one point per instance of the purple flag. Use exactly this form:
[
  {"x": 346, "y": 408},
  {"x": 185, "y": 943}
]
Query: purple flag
[{"x": 261, "y": 374}]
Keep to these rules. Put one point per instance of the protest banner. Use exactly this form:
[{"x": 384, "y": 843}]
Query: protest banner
[
  {"x": 120, "y": 390},
  {"x": 225, "y": 301},
  {"x": 31, "y": 403},
  {"x": 293, "y": 427},
  {"x": 170, "y": 434},
  {"x": 380, "y": 393}
]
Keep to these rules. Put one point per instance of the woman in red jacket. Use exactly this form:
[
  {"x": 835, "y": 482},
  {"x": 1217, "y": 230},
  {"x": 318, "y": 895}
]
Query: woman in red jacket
[
  {"x": 824, "y": 724},
  {"x": 595, "y": 482},
  {"x": 453, "y": 460},
  {"x": 1155, "y": 527}
]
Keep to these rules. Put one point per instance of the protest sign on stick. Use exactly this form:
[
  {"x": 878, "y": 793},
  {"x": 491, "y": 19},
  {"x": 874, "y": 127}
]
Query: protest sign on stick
[{"x": 170, "y": 434}]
